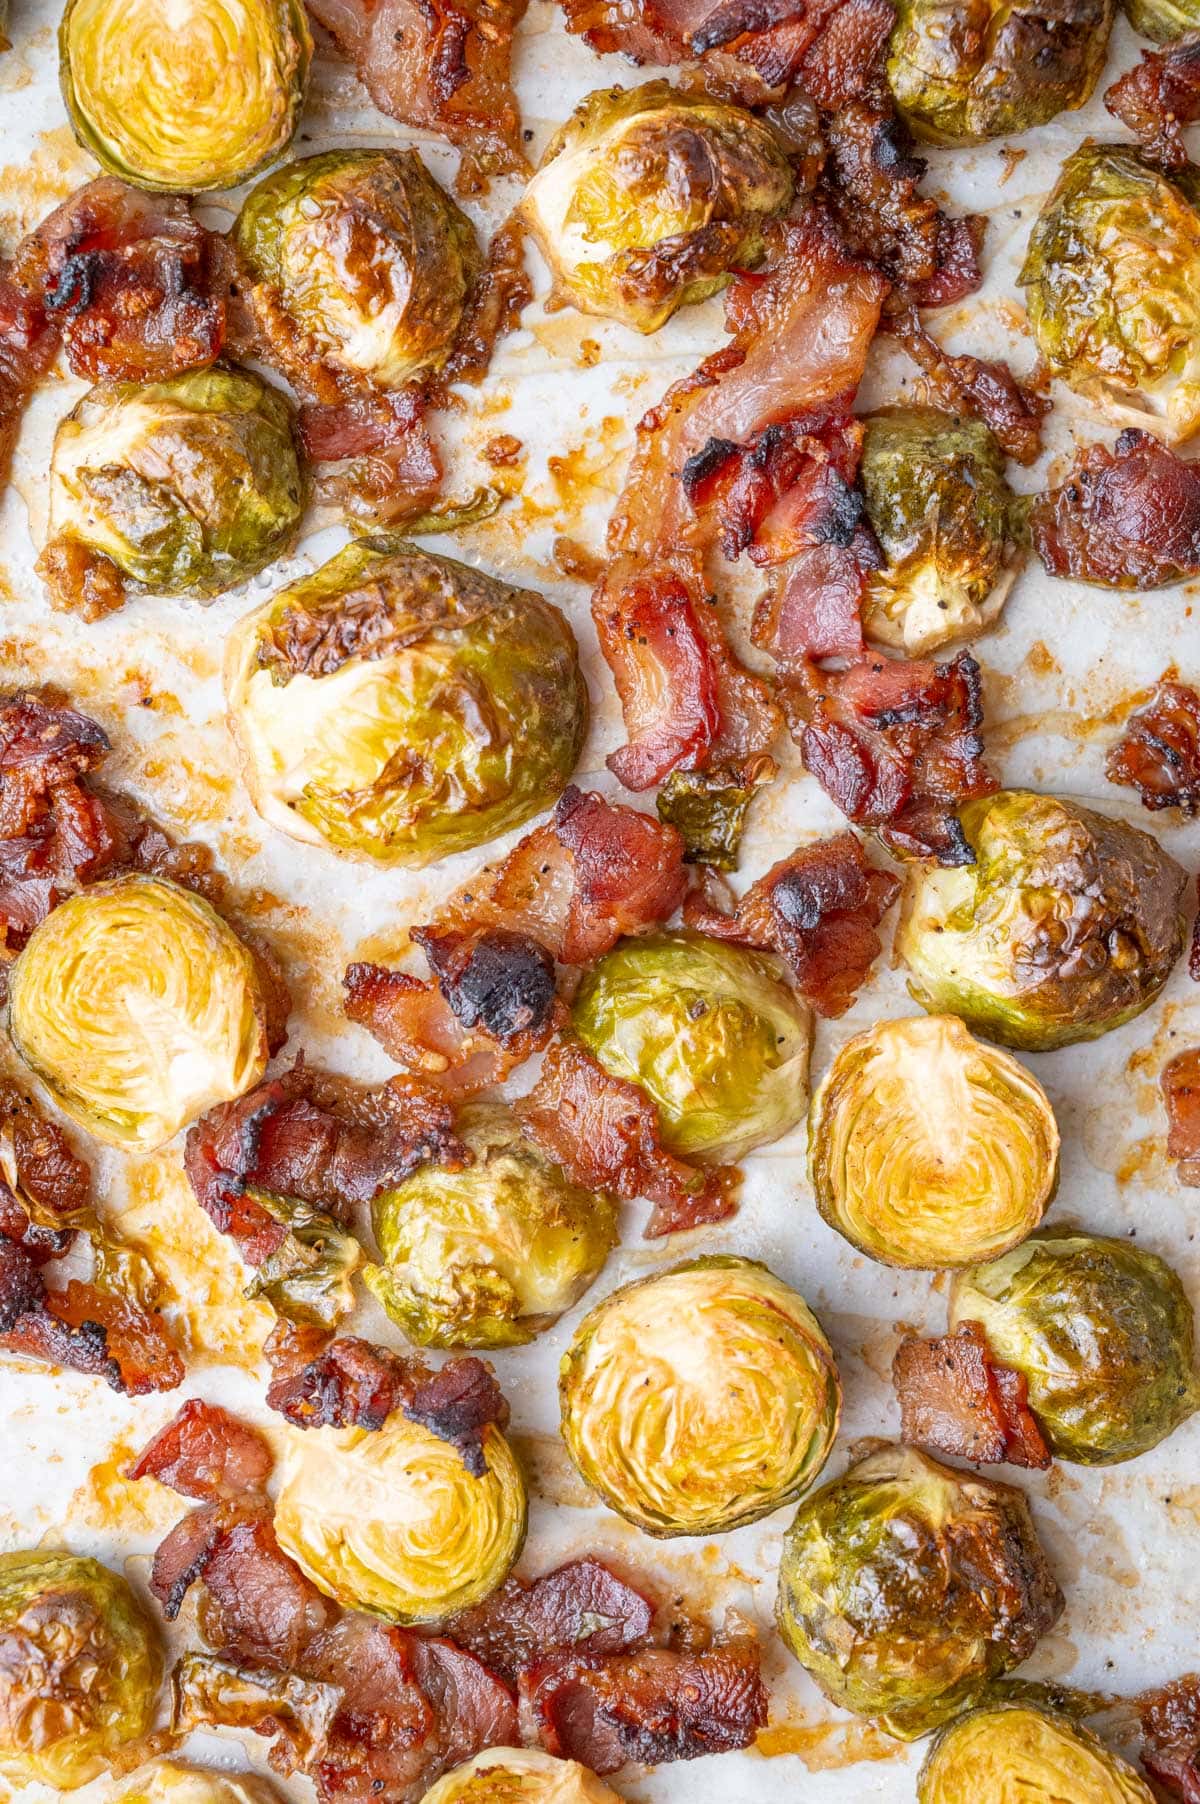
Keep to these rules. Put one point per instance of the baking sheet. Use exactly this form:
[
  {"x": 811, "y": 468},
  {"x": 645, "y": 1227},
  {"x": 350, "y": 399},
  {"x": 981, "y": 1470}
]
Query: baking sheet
[{"x": 1060, "y": 673}]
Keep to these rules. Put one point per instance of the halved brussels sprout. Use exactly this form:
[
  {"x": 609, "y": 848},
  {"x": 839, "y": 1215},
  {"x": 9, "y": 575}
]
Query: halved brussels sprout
[
  {"x": 963, "y": 74},
  {"x": 1112, "y": 286},
  {"x": 1163, "y": 20},
  {"x": 399, "y": 706},
  {"x": 905, "y": 1588},
  {"x": 947, "y": 522},
  {"x": 928, "y": 1149},
  {"x": 363, "y": 257},
  {"x": 80, "y": 1670},
  {"x": 187, "y": 97},
  {"x": 648, "y": 199},
  {"x": 188, "y": 486},
  {"x": 1066, "y": 926},
  {"x": 390, "y": 1521},
  {"x": 307, "y": 1278},
  {"x": 490, "y": 1255},
  {"x": 1011, "y": 1751},
  {"x": 520, "y": 1776},
  {"x": 169, "y": 1782},
  {"x": 701, "y": 1398},
  {"x": 709, "y": 1030},
  {"x": 139, "y": 1008},
  {"x": 1103, "y": 1333}
]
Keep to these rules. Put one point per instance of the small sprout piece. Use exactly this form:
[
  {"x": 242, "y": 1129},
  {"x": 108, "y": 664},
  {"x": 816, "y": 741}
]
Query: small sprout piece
[
  {"x": 645, "y": 1391},
  {"x": 520, "y": 1776},
  {"x": 928, "y": 1149},
  {"x": 139, "y": 1008},
  {"x": 709, "y": 808},
  {"x": 184, "y": 487},
  {"x": 1112, "y": 286},
  {"x": 307, "y": 1279},
  {"x": 906, "y": 1588},
  {"x": 399, "y": 707},
  {"x": 710, "y": 1031},
  {"x": 489, "y": 1255},
  {"x": 169, "y": 1782},
  {"x": 1012, "y": 1750},
  {"x": 391, "y": 1521},
  {"x": 947, "y": 522},
  {"x": 1065, "y": 926},
  {"x": 1102, "y": 1332},
  {"x": 1163, "y": 20},
  {"x": 359, "y": 261},
  {"x": 81, "y": 1668},
  {"x": 201, "y": 95},
  {"x": 648, "y": 199},
  {"x": 997, "y": 67}
]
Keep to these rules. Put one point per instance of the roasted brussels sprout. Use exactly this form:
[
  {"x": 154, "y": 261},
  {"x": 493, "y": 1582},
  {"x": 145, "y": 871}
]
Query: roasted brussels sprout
[
  {"x": 1163, "y": 20},
  {"x": 307, "y": 1277},
  {"x": 947, "y": 522},
  {"x": 928, "y": 1149},
  {"x": 1112, "y": 287},
  {"x": 490, "y": 1255},
  {"x": 710, "y": 1031},
  {"x": 649, "y": 1385},
  {"x": 1103, "y": 1334},
  {"x": 187, "y": 486},
  {"x": 364, "y": 258},
  {"x": 520, "y": 1776},
  {"x": 905, "y": 1588},
  {"x": 962, "y": 75},
  {"x": 188, "y": 97},
  {"x": 1013, "y": 1751},
  {"x": 647, "y": 199},
  {"x": 139, "y": 1008},
  {"x": 390, "y": 1520},
  {"x": 399, "y": 706},
  {"x": 169, "y": 1782},
  {"x": 1066, "y": 925},
  {"x": 80, "y": 1672}
]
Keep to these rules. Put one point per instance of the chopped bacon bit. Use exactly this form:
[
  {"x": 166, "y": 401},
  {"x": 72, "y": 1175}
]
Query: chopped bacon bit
[
  {"x": 416, "y": 1026},
  {"x": 375, "y": 454},
  {"x": 135, "y": 1338},
  {"x": 818, "y": 909},
  {"x": 1180, "y": 1083},
  {"x": 1159, "y": 752},
  {"x": 38, "y": 1166},
  {"x": 581, "y": 1608},
  {"x": 494, "y": 308},
  {"x": 987, "y": 390},
  {"x": 499, "y": 981},
  {"x": 28, "y": 341},
  {"x": 957, "y": 1398},
  {"x": 1158, "y": 97},
  {"x": 845, "y": 60},
  {"x": 1128, "y": 518},
  {"x": 1170, "y": 1723},
  {"x": 606, "y": 1135},
  {"x": 205, "y": 1452}
]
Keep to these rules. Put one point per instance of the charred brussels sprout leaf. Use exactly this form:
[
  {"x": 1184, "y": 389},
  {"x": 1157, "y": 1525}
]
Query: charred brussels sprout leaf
[
  {"x": 1066, "y": 925},
  {"x": 364, "y": 258},
  {"x": 1112, "y": 286},
  {"x": 520, "y": 1776},
  {"x": 905, "y": 1587},
  {"x": 1102, "y": 1332},
  {"x": 187, "y": 486},
  {"x": 488, "y": 1256},
  {"x": 1011, "y": 1751},
  {"x": 709, "y": 808},
  {"x": 647, "y": 199},
  {"x": 198, "y": 95},
  {"x": 390, "y": 1521},
  {"x": 928, "y": 1149},
  {"x": 989, "y": 68},
  {"x": 646, "y": 1390},
  {"x": 81, "y": 1669},
  {"x": 947, "y": 522},
  {"x": 139, "y": 1008},
  {"x": 170, "y": 1782},
  {"x": 308, "y": 1278},
  {"x": 710, "y": 1031},
  {"x": 399, "y": 706},
  {"x": 1163, "y": 20}
]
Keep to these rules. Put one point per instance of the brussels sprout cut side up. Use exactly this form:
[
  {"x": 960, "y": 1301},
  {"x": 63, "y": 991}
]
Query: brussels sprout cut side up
[
  {"x": 928, "y": 1149},
  {"x": 645, "y": 1390},
  {"x": 202, "y": 94},
  {"x": 398, "y": 707},
  {"x": 81, "y": 1669},
  {"x": 1011, "y": 1752},
  {"x": 1163, "y": 20},
  {"x": 520, "y": 1776}
]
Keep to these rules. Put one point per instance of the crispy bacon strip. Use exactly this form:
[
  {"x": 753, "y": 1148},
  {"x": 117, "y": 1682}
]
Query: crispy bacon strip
[
  {"x": 956, "y": 1398},
  {"x": 1158, "y": 97},
  {"x": 494, "y": 308},
  {"x": 205, "y": 1452},
  {"x": 818, "y": 909},
  {"x": 606, "y": 1135},
  {"x": 1128, "y": 518},
  {"x": 1180, "y": 1083},
  {"x": 988, "y": 390},
  {"x": 580, "y": 1608},
  {"x": 1158, "y": 754},
  {"x": 1170, "y": 1724}
]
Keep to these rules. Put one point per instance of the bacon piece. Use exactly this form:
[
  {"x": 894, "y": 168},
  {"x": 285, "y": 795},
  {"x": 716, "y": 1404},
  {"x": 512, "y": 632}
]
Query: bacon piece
[
  {"x": 494, "y": 307},
  {"x": 135, "y": 1338},
  {"x": 1180, "y": 1083},
  {"x": 844, "y": 62},
  {"x": 205, "y": 1452},
  {"x": 580, "y": 1608},
  {"x": 1170, "y": 1724},
  {"x": 1159, "y": 752},
  {"x": 896, "y": 745},
  {"x": 818, "y": 909},
  {"x": 375, "y": 455},
  {"x": 1158, "y": 97},
  {"x": 1128, "y": 518},
  {"x": 956, "y": 1398},
  {"x": 39, "y": 1170},
  {"x": 606, "y": 1135},
  {"x": 753, "y": 48},
  {"x": 28, "y": 341},
  {"x": 987, "y": 390}
]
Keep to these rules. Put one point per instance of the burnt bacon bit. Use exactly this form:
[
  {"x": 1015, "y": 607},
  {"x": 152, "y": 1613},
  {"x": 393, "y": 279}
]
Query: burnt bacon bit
[
  {"x": 957, "y": 1398},
  {"x": 818, "y": 909},
  {"x": 582, "y": 1607},
  {"x": 1158, "y": 754},
  {"x": 1158, "y": 97},
  {"x": 500, "y": 981},
  {"x": 1180, "y": 1084},
  {"x": 1169, "y": 1718},
  {"x": 988, "y": 391},
  {"x": 606, "y": 1135},
  {"x": 205, "y": 1452},
  {"x": 1128, "y": 518}
]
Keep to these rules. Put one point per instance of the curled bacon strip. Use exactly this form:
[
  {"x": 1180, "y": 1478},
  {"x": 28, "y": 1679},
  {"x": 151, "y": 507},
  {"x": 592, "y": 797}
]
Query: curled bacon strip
[
  {"x": 1128, "y": 518},
  {"x": 582, "y": 1607},
  {"x": 988, "y": 390},
  {"x": 1180, "y": 1084},
  {"x": 1158, "y": 754},
  {"x": 1158, "y": 97},
  {"x": 1170, "y": 1724},
  {"x": 957, "y": 1398},
  {"x": 205, "y": 1452}
]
